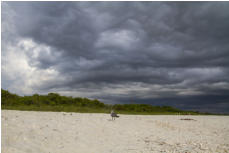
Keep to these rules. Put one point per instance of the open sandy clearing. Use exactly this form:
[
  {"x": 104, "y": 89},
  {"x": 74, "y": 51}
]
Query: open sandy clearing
[{"x": 59, "y": 132}]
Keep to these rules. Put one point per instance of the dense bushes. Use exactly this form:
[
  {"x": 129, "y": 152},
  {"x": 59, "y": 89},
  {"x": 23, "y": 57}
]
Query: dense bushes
[
  {"x": 55, "y": 102},
  {"x": 52, "y": 99},
  {"x": 9, "y": 99},
  {"x": 144, "y": 108}
]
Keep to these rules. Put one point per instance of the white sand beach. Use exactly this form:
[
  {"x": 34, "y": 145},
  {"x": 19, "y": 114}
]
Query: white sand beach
[{"x": 60, "y": 132}]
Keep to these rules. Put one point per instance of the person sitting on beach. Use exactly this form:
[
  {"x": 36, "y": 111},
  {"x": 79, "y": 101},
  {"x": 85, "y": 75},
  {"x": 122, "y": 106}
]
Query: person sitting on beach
[{"x": 113, "y": 115}]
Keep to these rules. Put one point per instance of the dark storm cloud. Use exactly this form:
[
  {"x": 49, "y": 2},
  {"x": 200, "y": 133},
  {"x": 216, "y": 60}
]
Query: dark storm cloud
[{"x": 180, "y": 47}]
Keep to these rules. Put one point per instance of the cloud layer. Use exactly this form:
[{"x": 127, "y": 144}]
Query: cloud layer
[{"x": 163, "y": 53}]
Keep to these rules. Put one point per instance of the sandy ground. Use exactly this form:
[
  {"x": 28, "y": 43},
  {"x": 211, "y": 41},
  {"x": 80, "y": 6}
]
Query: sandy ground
[{"x": 59, "y": 132}]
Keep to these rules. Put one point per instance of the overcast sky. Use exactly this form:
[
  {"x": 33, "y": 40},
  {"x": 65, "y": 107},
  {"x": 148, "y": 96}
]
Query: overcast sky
[{"x": 160, "y": 53}]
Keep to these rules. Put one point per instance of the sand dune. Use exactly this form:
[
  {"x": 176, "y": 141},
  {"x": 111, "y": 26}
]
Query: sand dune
[{"x": 59, "y": 132}]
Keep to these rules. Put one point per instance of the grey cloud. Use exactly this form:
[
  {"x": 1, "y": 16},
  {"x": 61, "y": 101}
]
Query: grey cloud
[{"x": 97, "y": 45}]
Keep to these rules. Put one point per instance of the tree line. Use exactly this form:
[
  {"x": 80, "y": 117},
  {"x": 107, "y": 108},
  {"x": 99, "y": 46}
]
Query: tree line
[{"x": 10, "y": 100}]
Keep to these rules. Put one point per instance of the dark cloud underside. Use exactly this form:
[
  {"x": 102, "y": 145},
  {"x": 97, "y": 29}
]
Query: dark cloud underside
[{"x": 163, "y": 53}]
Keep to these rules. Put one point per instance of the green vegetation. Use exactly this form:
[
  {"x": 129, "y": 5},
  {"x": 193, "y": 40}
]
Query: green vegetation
[{"x": 55, "y": 102}]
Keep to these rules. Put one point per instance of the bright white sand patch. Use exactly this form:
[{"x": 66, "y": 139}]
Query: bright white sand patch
[{"x": 59, "y": 132}]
